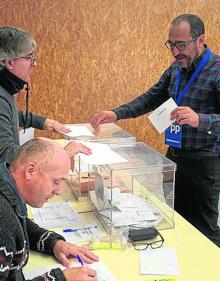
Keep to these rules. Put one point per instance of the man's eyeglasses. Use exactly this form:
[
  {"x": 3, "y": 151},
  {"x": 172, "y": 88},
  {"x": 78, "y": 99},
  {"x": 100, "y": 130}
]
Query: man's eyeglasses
[
  {"x": 154, "y": 243},
  {"x": 181, "y": 45},
  {"x": 30, "y": 57}
]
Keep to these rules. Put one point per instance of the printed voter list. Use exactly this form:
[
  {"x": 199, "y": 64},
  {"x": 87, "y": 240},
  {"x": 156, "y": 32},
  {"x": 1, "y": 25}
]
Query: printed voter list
[{"x": 160, "y": 117}]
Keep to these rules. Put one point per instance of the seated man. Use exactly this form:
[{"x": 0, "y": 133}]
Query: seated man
[{"x": 33, "y": 178}]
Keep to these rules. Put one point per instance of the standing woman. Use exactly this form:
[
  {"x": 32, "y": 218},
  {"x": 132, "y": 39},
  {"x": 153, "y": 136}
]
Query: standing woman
[{"x": 17, "y": 61}]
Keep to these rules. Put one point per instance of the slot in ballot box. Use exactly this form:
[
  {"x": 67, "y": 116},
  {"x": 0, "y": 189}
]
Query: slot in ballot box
[
  {"x": 136, "y": 193},
  {"x": 110, "y": 134}
]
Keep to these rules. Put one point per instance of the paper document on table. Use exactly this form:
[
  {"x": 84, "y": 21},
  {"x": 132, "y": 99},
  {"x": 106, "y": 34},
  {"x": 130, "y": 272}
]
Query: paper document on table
[
  {"x": 160, "y": 117},
  {"x": 103, "y": 273},
  {"x": 83, "y": 234},
  {"x": 55, "y": 214},
  {"x": 161, "y": 261},
  {"x": 77, "y": 131},
  {"x": 31, "y": 274},
  {"x": 101, "y": 154}
]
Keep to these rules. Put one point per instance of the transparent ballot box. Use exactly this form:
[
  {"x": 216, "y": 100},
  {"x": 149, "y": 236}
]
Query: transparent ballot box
[
  {"x": 137, "y": 193},
  {"x": 78, "y": 180},
  {"x": 110, "y": 134}
]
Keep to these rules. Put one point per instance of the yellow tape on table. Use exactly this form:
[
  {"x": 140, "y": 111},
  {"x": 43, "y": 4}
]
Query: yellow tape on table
[
  {"x": 105, "y": 245},
  {"x": 161, "y": 279}
]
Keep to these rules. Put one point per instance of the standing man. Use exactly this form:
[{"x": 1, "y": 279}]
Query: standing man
[
  {"x": 33, "y": 178},
  {"x": 193, "y": 81},
  {"x": 17, "y": 61}
]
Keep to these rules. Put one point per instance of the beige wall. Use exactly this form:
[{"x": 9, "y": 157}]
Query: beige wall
[{"x": 95, "y": 55}]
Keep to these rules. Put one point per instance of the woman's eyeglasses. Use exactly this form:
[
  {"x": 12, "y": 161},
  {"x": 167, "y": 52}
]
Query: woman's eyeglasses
[{"x": 30, "y": 57}]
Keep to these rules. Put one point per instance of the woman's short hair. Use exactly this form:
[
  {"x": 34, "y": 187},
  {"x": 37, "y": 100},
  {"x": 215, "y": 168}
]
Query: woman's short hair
[{"x": 14, "y": 42}]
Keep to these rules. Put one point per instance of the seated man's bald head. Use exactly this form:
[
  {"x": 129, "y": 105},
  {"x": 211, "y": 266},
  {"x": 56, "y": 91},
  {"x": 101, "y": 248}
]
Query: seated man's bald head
[
  {"x": 39, "y": 170},
  {"x": 41, "y": 150}
]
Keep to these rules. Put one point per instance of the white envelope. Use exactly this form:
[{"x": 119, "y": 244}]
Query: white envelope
[{"x": 160, "y": 117}]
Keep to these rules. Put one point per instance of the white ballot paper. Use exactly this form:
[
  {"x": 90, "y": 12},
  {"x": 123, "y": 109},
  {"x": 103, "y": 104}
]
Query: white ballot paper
[
  {"x": 101, "y": 154},
  {"x": 77, "y": 131},
  {"x": 161, "y": 261},
  {"x": 27, "y": 135},
  {"x": 160, "y": 117}
]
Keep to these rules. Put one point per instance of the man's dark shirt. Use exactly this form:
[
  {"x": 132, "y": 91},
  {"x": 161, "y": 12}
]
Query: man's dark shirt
[{"x": 203, "y": 97}]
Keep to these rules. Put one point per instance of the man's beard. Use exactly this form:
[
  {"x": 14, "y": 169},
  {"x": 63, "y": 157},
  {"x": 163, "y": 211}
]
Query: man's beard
[{"x": 189, "y": 59}]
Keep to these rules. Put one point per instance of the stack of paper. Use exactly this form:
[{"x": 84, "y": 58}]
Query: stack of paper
[
  {"x": 125, "y": 209},
  {"x": 55, "y": 214}
]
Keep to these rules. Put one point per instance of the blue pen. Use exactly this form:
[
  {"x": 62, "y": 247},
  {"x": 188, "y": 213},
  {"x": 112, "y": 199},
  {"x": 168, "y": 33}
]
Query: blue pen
[
  {"x": 79, "y": 259},
  {"x": 70, "y": 230},
  {"x": 73, "y": 230}
]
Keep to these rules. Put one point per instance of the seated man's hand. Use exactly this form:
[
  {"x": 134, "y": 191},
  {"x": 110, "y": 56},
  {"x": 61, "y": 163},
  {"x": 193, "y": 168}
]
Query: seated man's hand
[
  {"x": 73, "y": 148},
  {"x": 53, "y": 126},
  {"x": 80, "y": 274},
  {"x": 63, "y": 251}
]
